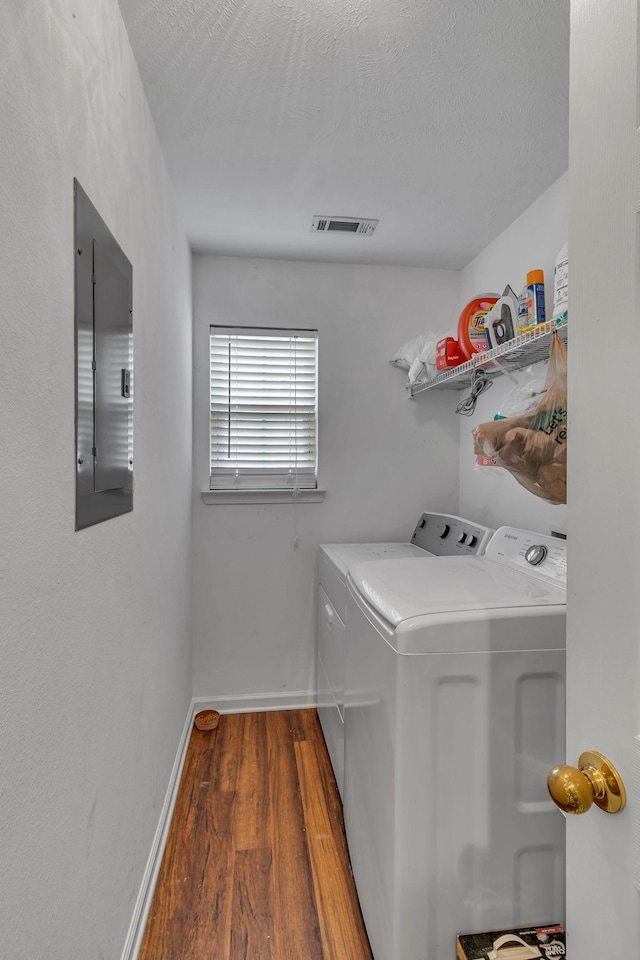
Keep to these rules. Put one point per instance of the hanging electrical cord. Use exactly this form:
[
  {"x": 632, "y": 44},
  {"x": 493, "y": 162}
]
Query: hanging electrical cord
[
  {"x": 479, "y": 383},
  {"x": 293, "y": 413}
]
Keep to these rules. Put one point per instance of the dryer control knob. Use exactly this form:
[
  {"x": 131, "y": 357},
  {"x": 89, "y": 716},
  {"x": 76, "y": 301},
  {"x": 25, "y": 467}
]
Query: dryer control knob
[
  {"x": 462, "y": 538},
  {"x": 444, "y": 530},
  {"x": 536, "y": 554}
]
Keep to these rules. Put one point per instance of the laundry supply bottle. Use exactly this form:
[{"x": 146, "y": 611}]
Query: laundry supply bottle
[
  {"x": 535, "y": 297},
  {"x": 561, "y": 286},
  {"x": 523, "y": 315}
]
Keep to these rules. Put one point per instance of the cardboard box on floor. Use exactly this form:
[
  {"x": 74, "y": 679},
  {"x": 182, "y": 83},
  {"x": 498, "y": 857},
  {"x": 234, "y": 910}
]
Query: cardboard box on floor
[{"x": 548, "y": 943}]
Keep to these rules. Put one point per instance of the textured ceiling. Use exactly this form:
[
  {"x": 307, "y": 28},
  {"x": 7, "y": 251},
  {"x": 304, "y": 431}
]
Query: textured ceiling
[{"x": 445, "y": 120}]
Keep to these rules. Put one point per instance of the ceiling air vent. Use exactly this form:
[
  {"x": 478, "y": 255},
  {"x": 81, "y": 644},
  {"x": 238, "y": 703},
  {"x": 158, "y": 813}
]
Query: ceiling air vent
[{"x": 354, "y": 225}]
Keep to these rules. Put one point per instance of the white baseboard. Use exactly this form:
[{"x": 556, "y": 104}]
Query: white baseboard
[
  {"x": 257, "y": 702},
  {"x": 150, "y": 876}
]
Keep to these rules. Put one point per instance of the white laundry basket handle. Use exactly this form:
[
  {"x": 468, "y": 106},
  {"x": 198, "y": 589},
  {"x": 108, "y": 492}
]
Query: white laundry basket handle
[{"x": 524, "y": 951}]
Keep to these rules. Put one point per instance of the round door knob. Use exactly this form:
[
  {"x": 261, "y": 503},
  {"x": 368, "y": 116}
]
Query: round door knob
[{"x": 595, "y": 780}]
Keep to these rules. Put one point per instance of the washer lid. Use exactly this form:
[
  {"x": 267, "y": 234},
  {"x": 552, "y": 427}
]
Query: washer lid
[
  {"x": 399, "y": 589},
  {"x": 343, "y": 556}
]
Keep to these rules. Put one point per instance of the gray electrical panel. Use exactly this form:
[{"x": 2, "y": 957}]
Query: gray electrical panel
[{"x": 104, "y": 356}]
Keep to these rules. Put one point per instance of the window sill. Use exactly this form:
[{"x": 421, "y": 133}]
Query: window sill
[{"x": 262, "y": 496}]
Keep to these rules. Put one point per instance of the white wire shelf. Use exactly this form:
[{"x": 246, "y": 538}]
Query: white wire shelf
[{"x": 523, "y": 350}]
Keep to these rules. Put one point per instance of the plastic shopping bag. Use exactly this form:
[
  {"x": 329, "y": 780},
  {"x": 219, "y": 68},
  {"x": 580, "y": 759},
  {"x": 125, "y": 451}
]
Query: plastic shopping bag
[{"x": 533, "y": 446}]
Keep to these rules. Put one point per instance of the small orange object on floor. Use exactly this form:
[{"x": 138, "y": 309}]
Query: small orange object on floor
[{"x": 207, "y": 719}]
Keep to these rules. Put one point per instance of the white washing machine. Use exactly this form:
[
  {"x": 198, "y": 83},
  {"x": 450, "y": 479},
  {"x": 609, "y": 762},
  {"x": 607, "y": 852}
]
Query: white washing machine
[
  {"x": 436, "y": 534},
  {"x": 454, "y": 713}
]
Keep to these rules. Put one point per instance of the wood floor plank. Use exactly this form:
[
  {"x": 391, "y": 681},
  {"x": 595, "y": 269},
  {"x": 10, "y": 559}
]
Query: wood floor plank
[
  {"x": 252, "y": 785},
  {"x": 295, "y": 916},
  {"x": 226, "y": 743},
  {"x": 252, "y": 920},
  {"x": 341, "y": 927},
  {"x": 329, "y": 787},
  {"x": 304, "y": 724},
  {"x": 195, "y": 903}
]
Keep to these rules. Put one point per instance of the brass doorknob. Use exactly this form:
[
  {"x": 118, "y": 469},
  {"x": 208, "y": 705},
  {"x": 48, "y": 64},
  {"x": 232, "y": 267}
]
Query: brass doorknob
[{"x": 595, "y": 780}]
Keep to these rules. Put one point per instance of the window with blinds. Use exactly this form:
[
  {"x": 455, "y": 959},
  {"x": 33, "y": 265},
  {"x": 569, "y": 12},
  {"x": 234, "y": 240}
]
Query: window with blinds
[{"x": 263, "y": 408}]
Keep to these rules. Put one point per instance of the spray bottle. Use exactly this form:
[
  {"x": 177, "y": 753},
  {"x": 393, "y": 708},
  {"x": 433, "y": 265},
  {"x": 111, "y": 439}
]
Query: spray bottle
[{"x": 535, "y": 297}]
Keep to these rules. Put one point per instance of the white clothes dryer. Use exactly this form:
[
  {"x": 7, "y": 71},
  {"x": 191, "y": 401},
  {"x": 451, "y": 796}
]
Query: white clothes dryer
[
  {"x": 435, "y": 535},
  {"x": 454, "y": 713}
]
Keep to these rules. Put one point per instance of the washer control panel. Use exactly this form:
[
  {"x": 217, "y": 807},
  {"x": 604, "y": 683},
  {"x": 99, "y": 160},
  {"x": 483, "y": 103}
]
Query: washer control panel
[
  {"x": 533, "y": 553},
  {"x": 449, "y": 536}
]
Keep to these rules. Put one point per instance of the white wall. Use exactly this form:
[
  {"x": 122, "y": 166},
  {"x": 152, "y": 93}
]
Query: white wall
[
  {"x": 94, "y": 647},
  {"x": 533, "y": 241},
  {"x": 383, "y": 459}
]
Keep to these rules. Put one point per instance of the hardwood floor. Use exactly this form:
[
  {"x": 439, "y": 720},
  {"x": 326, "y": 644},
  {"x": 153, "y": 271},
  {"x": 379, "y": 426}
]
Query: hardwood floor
[{"x": 256, "y": 864}]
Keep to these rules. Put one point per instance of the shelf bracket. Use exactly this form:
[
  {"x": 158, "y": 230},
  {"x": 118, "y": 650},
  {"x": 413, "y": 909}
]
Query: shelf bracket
[{"x": 504, "y": 371}]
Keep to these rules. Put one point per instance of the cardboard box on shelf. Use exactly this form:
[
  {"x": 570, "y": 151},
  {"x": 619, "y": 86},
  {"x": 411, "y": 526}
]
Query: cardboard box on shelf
[
  {"x": 548, "y": 943},
  {"x": 448, "y": 353}
]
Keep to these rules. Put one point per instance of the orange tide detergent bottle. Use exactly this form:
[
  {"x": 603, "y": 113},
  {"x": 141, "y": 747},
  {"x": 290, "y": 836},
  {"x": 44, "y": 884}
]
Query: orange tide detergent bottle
[{"x": 471, "y": 324}]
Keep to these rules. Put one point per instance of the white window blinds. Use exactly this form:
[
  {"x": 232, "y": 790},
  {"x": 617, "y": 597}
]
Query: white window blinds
[{"x": 263, "y": 408}]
